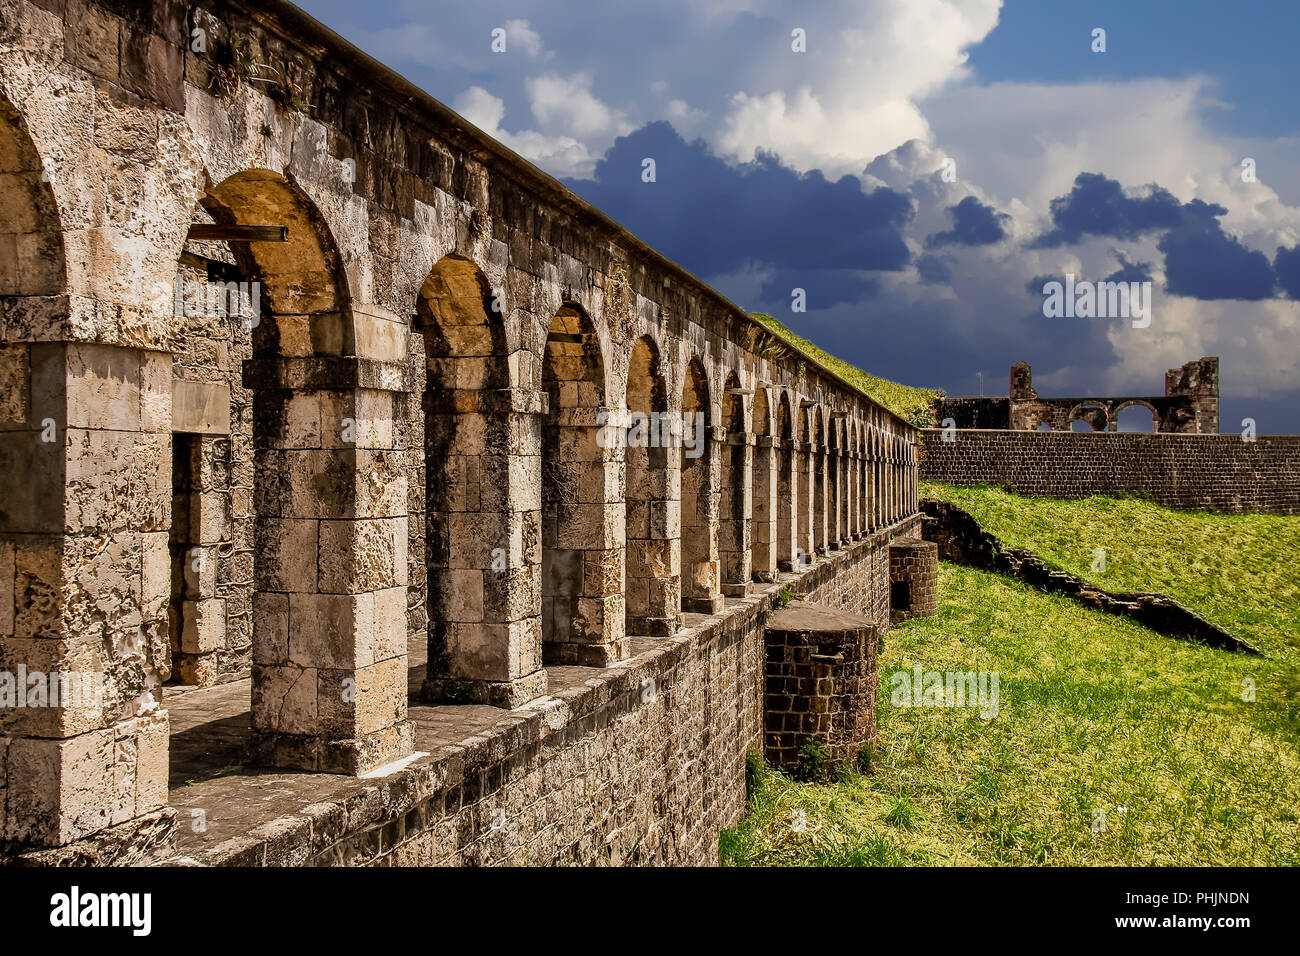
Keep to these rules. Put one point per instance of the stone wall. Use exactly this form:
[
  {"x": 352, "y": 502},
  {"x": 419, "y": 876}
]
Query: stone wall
[
  {"x": 913, "y": 579},
  {"x": 641, "y": 763},
  {"x": 1213, "y": 472}
]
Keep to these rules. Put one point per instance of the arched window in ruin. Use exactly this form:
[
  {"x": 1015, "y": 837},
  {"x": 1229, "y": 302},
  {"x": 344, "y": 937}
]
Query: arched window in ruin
[
  {"x": 1137, "y": 417},
  {"x": 1043, "y": 427},
  {"x": 804, "y": 460},
  {"x": 765, "y": 463},
  {"x": 1088, "y": 417},
  {"x": 735, "y": 505},
  {"x": 582, "y": 581},
  {"x": 653, "y": 518},
  {"x": 700, "y": 572},
  {"x": 787, "y": 485}
]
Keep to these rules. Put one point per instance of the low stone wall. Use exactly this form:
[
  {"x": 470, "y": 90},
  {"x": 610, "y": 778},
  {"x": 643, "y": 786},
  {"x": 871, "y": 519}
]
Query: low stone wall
[
  {"x": 638, "y": 763},
  {"x": 1210, "y": 472}
]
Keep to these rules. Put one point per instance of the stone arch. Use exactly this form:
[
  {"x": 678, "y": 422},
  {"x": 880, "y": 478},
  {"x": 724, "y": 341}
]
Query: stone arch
[
  {"x": 483, "y": 522},
  {"x": 582, "y": 566},
  {"x": 1118, "y": 421},
  {"x": 652, "y": 499},
  {"x": 834, "y": 482},
  {"x": 765, "y": 480},
  {"x": 699, "y": 495},
  {"x": 302, "y": 280},
  {"x": 1092, "y": 414},
  {"x": 787, "y": 484},
  {"x": 735, "y": 501},
  {"x": 329, "y": 494}
]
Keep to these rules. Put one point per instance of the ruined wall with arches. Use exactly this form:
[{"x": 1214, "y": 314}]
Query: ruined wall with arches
[{"x": 448, "y": 434}]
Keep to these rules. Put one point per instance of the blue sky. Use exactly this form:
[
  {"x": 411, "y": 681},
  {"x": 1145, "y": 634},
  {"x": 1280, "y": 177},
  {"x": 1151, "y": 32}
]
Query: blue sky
[{"x": 922, "y": 168}]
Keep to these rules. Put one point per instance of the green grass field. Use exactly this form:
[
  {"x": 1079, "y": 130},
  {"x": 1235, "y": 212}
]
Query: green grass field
[{"x": 1095, "y": 713}]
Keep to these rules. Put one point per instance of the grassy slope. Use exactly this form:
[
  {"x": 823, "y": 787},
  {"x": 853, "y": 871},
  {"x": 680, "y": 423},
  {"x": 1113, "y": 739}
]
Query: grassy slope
[
  {"x": 905, "y": 401},
  {"x": 1238, "y": 571},
  {"x": 1095, "y": 712}
]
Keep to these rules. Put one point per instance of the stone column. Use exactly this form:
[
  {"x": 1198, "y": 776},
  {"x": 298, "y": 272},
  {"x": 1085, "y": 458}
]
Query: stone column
[
  {"x": 583, "y": 537},
  {"x": 820, "y": 495},
  {"x": 787, "y": 504},
  {"x": 767, "y": 483},
  {"x": 654, "y": 523},
  {"x": 806, "y": 465},
  {"x": 329, "y": 608},
  {"x": 85, "y": 504},
  {"x": 701, "y": 576},
  {"x": 736, "y": 511},
  {"x": 485, "y": 546}
]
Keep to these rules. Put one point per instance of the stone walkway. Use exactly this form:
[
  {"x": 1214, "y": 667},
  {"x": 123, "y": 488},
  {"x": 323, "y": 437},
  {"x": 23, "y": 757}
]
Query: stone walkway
[{"x": 218, "y": 799}]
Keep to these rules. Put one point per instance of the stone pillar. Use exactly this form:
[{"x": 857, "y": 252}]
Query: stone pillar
[
  {"x": 806, "y": 465},
  {"x": 583, "y": 535},
  {"x": 846, "y": 496},
  {"x": 329, "y": 608},
  {"x": 652, "y": 561},
  {"x": 701, "y": 572},
  {"x": 484, "y": 546},
  {"x": 766, "y": 465},
  {"x": 820, "y": 495},
  {"x": 787, "y": 503},
  {"x": 85, "y": 503},
  {"x": 736, "y": 513}
]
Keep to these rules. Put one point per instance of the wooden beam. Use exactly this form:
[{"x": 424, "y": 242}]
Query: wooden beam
[{"x": 220, "y": 233}]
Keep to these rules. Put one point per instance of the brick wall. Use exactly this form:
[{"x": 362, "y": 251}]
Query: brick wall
[{"x": 1214, "y": 472}]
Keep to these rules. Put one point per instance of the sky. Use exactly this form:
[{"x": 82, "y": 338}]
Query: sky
[{"x": 921, "y": 169}]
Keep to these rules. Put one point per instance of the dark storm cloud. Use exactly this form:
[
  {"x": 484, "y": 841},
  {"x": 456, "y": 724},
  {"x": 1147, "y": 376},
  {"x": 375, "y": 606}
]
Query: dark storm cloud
[
  {"x": 714, "y": 218},
  {"x": 1204, "y": 262},
  {"x": 822, "y": 287},
  {"x": 1097, "y": 206},
  {"x": 974, "y": 224},
  {"x": 1129, "y": 272},
  {"x": 1287, "y": 266}
]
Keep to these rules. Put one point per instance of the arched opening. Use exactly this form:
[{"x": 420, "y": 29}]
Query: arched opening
[
  {"x": 819, "y": 438},
  {"x": 652, "y": 479},
  {"x": 1043, "y": 427},
  {"x": 765, "y": 463},
  {"x": 834, "y": 492},
  {"x": 326, "y": 543},
  {"x": 582, "y": 612},
  {"x": 1088, "y": 417},
  {"x": 482, "y": 528},
  {"x": 787, "y": 484},
  {"x": 700, "y": 573},
  {"x": 735, "y": 504},
  {"x": 1137, "y": 417}
]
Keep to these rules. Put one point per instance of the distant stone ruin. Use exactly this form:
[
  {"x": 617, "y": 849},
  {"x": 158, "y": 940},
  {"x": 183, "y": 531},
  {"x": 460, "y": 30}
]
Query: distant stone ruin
[{"x": 1190, "y": 405}]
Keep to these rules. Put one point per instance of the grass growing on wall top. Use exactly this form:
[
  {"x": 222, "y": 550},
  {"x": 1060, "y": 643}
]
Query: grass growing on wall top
[
  {"x": 913, "y": 404},
  {"x": 1237, "y": 571},
  {"x": 1095, "y": 712}
]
